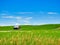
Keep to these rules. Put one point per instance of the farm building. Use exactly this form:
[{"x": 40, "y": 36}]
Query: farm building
[{"x": 16, "y": 27}]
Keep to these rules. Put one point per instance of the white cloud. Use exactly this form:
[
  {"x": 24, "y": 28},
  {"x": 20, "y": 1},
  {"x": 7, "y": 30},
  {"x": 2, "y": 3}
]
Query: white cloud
[
  {"x": 7, "y": 17},
  {"x": 24, "y": 12},
  {"x": 19, "y": 19},
  {"x": 15, "y": 17},
  {"x": 52, "y": 13},
  {"x": 28, "y": 18},
  {"x": 26, "y": 21}
]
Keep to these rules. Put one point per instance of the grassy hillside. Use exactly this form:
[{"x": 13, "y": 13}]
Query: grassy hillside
[
  {"x": 37, "y": 35},
  {"x": 41, "y": 27},
  {"x": 6, "y": 27},
  {"x": 34, "y": 27}
]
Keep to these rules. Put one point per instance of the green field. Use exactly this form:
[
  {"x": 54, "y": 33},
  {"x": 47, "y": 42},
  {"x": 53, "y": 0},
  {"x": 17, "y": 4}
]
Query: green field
[{"x": 48, "y": 34}]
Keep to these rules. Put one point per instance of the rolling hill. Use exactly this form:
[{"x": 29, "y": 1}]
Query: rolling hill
[{"x": 33, "y": 27}]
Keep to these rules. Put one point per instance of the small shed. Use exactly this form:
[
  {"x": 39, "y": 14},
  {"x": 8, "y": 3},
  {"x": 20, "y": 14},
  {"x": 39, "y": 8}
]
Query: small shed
[{"x": 16, "y": 27}]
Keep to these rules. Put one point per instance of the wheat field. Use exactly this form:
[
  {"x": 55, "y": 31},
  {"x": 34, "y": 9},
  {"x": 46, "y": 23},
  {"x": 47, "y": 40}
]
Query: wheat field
[
  {"x": 30, "y": 35},
  {"x": 42, "y": 37}
]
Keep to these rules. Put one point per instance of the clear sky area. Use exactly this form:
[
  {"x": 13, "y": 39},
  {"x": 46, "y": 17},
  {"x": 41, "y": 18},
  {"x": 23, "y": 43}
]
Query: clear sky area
[{"x": 29, "y": 12}]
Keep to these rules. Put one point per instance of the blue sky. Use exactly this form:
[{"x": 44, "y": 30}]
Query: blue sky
[{"x": 34, "y": 12}]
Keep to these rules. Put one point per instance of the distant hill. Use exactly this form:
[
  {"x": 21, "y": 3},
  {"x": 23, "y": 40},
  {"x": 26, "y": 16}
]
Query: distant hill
[{"x": 34, "y": 27}]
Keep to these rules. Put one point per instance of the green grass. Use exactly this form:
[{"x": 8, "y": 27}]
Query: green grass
[
  {"x": 31, "y": 35},
  {"x": 33, "y": 27}
]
